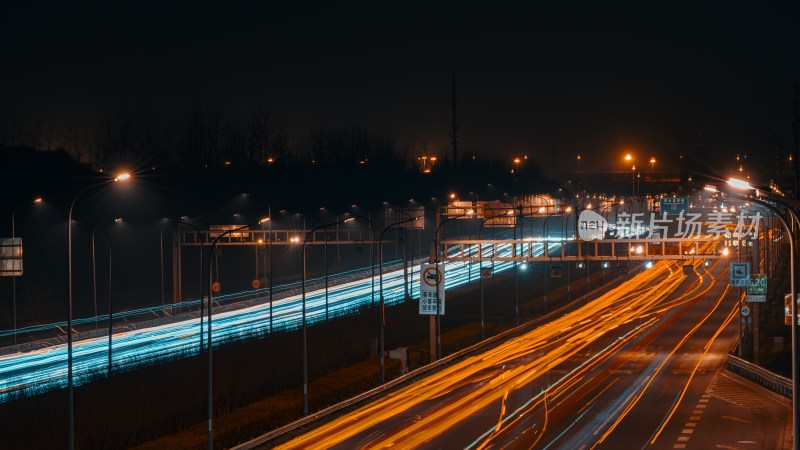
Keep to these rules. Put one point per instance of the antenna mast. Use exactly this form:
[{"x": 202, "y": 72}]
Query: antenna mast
[{"x": 454, "y": 131}]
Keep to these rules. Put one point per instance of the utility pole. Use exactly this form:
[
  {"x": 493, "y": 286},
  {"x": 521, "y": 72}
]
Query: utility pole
[
  {"x": 796, "y": 129},
  {"x": 454, "y": 130}
]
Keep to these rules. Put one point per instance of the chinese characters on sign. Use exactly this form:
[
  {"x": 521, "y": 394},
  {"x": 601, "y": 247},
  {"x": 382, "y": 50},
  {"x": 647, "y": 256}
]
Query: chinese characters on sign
[
  {"x": 690, "y": 225},
  {"x": 674, "y": 205},
  {"x": 431, "y": 288}
]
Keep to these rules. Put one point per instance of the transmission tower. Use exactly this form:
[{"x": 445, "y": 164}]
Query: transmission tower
[{"x": 454, "y": 130}]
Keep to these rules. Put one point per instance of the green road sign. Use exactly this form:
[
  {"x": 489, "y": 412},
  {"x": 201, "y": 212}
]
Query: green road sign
[
  {"x": 674, "y": 205},
  {"x": 758, "y": 284}
]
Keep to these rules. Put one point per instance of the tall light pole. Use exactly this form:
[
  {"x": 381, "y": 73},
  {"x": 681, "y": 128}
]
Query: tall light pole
[
  {"x": 70, "y": 383},
  {"x": 305, "y": 337},
  {"x": 438, "y": 301},
  {"x": 546, "y": 253},
  {"x": 269, "y": 246},
  {"x": 94, "y": 285},
  {"x": 94, "y": 271},
  {"x": 739, "y": 184},
  {"x": 371, "y": 259},
  {"x": 480, "y": 270},
  {"x": 180, "y": 222},
  {"x": 564, "y": 247},
  {"x": 520, "y": 217},
  {"x": 210, "y": 300},
  {"x": 36, "y": 201},
  {"x": 380, "y": 273},
  {"x": 629, "y": 158}
]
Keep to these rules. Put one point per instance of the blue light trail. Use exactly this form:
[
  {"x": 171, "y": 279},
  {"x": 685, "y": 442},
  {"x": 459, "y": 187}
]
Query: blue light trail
[{"x": 44, "y": 369}]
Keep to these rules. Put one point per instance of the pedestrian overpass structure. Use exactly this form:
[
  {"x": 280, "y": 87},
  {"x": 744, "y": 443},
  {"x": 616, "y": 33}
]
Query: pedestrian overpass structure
[{"x": 528, "y": 250}]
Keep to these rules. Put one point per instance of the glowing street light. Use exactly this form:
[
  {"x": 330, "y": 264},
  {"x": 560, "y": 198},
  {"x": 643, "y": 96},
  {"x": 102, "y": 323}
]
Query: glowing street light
[
  {"x": 70, "y": 383},
  {"x": 740, "y": 184}
]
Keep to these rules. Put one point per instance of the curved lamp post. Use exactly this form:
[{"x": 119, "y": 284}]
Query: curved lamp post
[
  {"x": 180, "y": 222},
  {"x": 546, "y": 253},
  {"x": 520, "y": 216},
  {"x": 739, "y": 184},
  {"x": 269, "y": 246},
  {"x": 480, "y": 268},
  {"x": 371, "y": 244},
  {"x": 305, "y": 338},
  {"x": 70, "y": 382},
  {"x": 94, "y": 286},
  {"x": 380, "y": 273},
  {"x": 436, "y": 254},
  {"x": 210, "y": 300}
]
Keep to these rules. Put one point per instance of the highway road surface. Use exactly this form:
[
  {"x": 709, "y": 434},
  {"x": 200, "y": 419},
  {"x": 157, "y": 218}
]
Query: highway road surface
[{"x": 639, "y": 367}]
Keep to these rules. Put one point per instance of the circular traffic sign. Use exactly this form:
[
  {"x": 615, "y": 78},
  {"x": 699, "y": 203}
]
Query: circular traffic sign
[
  {"x": 432, "y": 276},
  {"x": 745, "y": 311},
  {"x": 256, "y": 283},
  {"x": 216, "y": 287}
]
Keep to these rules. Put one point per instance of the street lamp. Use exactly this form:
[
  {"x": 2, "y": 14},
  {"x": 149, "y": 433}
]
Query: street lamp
[
  {"x": 740, "y": 184},
  {"x": 371, "y": 259},
  {"x": 180, "y": 222},
  {"x": 70, "y": 383},
  {"x": 269, "y": 245},
  {"x": 380, "y": 274},
  {"x": 629, "y": 158},
  {"x": 438, "y": 302},
  {"x": 94, "y": 286},
  {"x": 564, "y": 244},
  {"x": 271, "y": 272},
  {"x": 480, "y": 265},
  {"x": 305, "y": 339},
  {"x": 36, "y": 201},
  {"x": 210, "y": 300},
  {"x": 94, "y": 271}
]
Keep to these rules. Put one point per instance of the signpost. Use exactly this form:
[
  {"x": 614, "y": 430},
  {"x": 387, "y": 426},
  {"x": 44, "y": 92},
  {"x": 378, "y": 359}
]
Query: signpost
[
  {"x": 739, "y": 274},
  {"x": 11, "y": 257},
  {"x": 431, "y": 289},
  {"x": 745, "y": 311},
  {"x": 674, "y": 205},
  {"x": 787, "y": 308},
  {"x": 757, "y": 289}
]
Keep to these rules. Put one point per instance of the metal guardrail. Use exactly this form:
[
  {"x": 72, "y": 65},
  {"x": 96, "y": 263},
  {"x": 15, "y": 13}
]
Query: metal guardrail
[{"x": 760, "y": 375}]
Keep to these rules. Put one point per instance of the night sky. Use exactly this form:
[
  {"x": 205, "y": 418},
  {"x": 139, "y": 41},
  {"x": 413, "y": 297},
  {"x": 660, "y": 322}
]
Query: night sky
[{"x": 551, "y": 82}]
